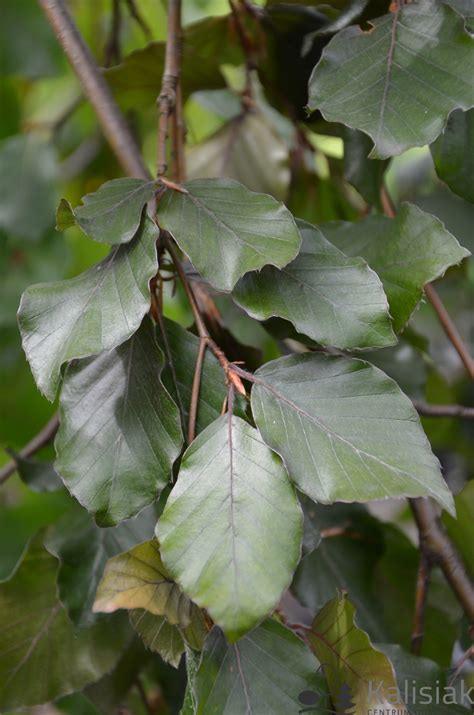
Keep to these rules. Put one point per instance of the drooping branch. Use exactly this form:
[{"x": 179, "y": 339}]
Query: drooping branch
[
  {"x": 438, "y": 547},
  {"x": 40, "y": 440},
  {"x": 113, "y": 124}
]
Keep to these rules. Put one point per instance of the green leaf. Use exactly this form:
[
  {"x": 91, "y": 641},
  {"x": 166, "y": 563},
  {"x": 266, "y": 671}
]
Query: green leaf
[
  {"x": 399, "y": 80},
  {"x": 139, "y": 579},
  {"x": 352, "y": 665},
  {"x": 167, "y": 639},
  {"x": 461, "y": 530},
  {"x": 206, "y": 46},
  {"x": 453, "y": 154},
  {"x": 263, "y": 674},
  {"x": 38, "y": 476},
  {"x": 328, "y": 297},
  {"x": 83, "y": 550},
  {"x": 180, "y": 348},
  {"x": 27, "y": 193},
  {"x": 120, "y": 431},
  {"x": 42, "y": 654},
  {"x": 227, "y": 230},
  {"x": 406, "y": 252},
  {"x": 365, "y": 175},
  {"x": 112, "y": 214},
  {"x": 159, "y": 635},
  {"x": 95, "y": 311},
  {"x": 330, "y": 417},
  {"x": 220, "y": 532}
]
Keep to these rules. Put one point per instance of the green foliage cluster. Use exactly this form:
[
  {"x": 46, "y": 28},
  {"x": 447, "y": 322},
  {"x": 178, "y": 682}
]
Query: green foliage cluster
[{"x": 238, "y": 431}]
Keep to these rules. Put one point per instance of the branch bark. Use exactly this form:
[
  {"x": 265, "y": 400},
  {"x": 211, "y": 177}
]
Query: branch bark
[
  {"x": 460, "y": 411},
  {"x": 450, "y": 328},
  {"x": 40, "y": 440},
  {"x": 113, "y": 124},
  {"x": 167, "y": 98},
  {"x": 438, "y": 547}
]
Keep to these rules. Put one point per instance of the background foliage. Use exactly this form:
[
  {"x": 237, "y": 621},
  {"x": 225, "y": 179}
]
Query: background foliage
[{"x": 362, "y": 274}]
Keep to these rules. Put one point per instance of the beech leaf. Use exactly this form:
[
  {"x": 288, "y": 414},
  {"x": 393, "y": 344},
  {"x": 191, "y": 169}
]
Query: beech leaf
[
  {"x": 112, "y": 214},
  {"x": 453, "y": 154},
  {"x": 359, "y": 676},
  {"x": 399, "y": 80},
  {"x": 327, "y": 296},
  {"x": 345, "y": 431},
  {"x": 406, "y": 252},
  {"x": 120, "y": 430},
  {"x": 139, "y": 579},
  {"x": 263, "y": 674},
  {"x": 42, "y": 655},
  {"x": 97, "y": 310},
  {"x": 231, "y": 529},
  {"x": 227, "y": 230}
]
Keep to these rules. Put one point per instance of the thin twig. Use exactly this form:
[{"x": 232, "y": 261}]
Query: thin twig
[
  {"x": 450, "y": 328},
  {"x": 43, "y": 437},
  {"x": 467, "y": 655},
  {"x": 422, "y": 584},
  {"x": 133, "y": 10},
  {"x": 113, "y": 124},
  {"x": 193, "y": 407},
  {"x": 466, "y": 413},
  {"x": 438, "y": 547},
  {"x": 167, "y": 98},
  {"x": 227, "y": 366},
  {"x": 112, "y": 48}
]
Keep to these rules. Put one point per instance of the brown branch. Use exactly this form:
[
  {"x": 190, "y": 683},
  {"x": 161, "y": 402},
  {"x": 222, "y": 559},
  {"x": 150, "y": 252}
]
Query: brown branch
[
  {"x": 438, "y": 547},
  {"x": 133, "y": 10},
  {"x": 167, "y": 98},
  {"x": 460, "y": 411},
  {"x": 450, "y": 328},
  {"x": 40, "y": 440},
  {"x": 422, "y": 584},
  {"x": 227, "y": 366},
  {"x": 179, "y": 159},
  {"x": 193, "y": 407},
  {"x": 113, "y": 124}
]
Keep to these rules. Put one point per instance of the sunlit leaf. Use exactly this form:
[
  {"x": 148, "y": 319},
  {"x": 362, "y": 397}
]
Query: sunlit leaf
[
  {"x": 359, "y": 676},
  {"x": 220, "y": 531}
]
